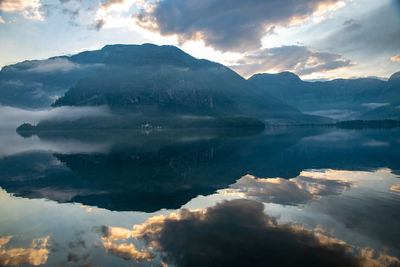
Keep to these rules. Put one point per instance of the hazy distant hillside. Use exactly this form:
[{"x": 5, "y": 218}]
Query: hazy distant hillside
[
  {"x": 162, "y": 80},
  {"x": 37, "y": 83},
  {"x": 391, "y": 96},
  {"x": 365, "y": 98}
]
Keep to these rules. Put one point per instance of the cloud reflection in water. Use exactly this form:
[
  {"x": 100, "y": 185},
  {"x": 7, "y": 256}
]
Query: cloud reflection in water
[
  {"x": 293, "y": 191},
  {"x": 243, "y": 231},
  {"x": 36, "y": 254},
  {"x": 234, "y": 233}
]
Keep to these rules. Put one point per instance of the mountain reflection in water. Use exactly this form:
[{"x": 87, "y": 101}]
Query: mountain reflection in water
[
  {"x": 286, "y": 196},
  {"x": 167, "y": 169}
]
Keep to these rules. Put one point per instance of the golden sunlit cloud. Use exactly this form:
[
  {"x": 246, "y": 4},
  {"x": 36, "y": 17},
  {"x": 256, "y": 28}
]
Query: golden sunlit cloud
[
  {"x": 325, "y": 9},
  {"x": 4, "y": 240},
  {"x": 395, "y": 58},
  {"x": 293, "y": 191},
  {"x": 36, "y": 254},
  {"x": 117, "y": 233},
  {"x": 395, "y": 188},
  {"x": 87, "y": 208},
  {"x": 342, "y": 175},
  {"x": 126, "y": 251},
  {"x": 30, "y": 9},
  {"x": 242, "y": 226}
]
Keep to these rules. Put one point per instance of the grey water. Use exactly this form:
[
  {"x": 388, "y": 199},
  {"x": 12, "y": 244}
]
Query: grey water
[{"x": 315, "y": 196}]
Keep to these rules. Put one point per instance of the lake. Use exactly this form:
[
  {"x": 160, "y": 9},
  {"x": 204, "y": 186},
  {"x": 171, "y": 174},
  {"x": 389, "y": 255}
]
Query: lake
[{"x": 314, "y": 196}]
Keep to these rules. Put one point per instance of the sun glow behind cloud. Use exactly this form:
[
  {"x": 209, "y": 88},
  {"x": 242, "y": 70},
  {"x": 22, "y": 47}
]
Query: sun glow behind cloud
[
  {"x": 221, "y": 37},
  {"x": 395, "y": 58},
  {"x": 30, "y": 9}
]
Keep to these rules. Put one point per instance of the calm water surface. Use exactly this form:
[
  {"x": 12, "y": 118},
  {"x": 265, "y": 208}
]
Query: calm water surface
[{"x": 280, "y": 197}]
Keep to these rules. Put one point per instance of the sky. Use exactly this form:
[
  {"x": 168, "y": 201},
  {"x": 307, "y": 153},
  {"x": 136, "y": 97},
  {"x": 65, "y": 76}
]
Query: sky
[{"x": 316, "y": 39}]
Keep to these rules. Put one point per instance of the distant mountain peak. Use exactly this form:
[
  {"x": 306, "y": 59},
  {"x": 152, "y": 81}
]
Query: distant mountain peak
[
  {"x": 289, "y": 75},
  {"x": 122, "y": 47},
  {"x": 135, "y": 55},
  {"x": 283, "y": 76},
  {"x": 395, "y": 76}
]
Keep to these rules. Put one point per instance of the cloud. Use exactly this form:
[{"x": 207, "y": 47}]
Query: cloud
[
  {"x": 236, "y": 233},
  {"x": 67, "y": 1},
  {"x": 30, "y": 9},
  {"x": 115, "y": 233},
  {"x": 395, "y": 58},
  {"x": 11, "y": 143},
  {"x": 4, "y": 240},
  {"x": 109, "y": 3},
  {"x": 375, "y": 143},
  {"x": 73, "y": 14},
  {"x": 36, "y": 254},
  {"x": 72, "y": 257},
  {"x": 99, "y": 24},
  {"x": 51, "y": 65},
  {"x": 2, "y": 20},
  {"x": 12, "y": 117},
  {"x": 375, "y": 105},
  {"x": 336, "y": 114},
  {"x": 293, "y": 191},
  {"x": 298, "y": 59},
  {"x": 395, "y": 188},
  {"x": 225, "y": 24},
  {"x": 351, "y": 25},
  {"x": 116, "y": 13},
  {"x": 374, "y": 32},
  {"x": 126, "y": 251}
]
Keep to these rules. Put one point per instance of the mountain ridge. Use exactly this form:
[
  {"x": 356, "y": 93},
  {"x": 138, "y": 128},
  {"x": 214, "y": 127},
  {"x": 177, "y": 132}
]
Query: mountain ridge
[
  {"x": 360, "y": 98},
  {"x": 165, "y": 80}
]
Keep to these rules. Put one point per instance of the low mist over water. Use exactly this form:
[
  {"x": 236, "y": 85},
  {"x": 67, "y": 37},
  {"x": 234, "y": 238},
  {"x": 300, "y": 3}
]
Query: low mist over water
[{"x": 12, "y": 117}]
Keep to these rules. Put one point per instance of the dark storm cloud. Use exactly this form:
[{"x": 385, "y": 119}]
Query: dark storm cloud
[
  {"x": 227, "y": 25},
  {"x": 239, "y": 233},
  {"x": 298, "y": 59}
]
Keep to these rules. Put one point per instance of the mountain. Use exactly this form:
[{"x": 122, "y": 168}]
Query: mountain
[
  {"x": 164, "y": 86},
  {"x": 364, "y": 98},
  {"x": 165, "y": 80},
  {"x": 391, "y": 110}
]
